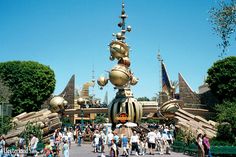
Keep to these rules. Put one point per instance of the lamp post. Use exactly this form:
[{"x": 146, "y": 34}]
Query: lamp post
[
  {"x": 2, "y": 118},
  {"x": 81, "y": 102},
  {"x": 82, "y": 118}
]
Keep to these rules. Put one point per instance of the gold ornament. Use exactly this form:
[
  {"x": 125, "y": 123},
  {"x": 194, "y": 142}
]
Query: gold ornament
[
  {"x": 119, "y": 75},
  {"x": 118, "y": 50},
  {"x": 102, "y": 81}
]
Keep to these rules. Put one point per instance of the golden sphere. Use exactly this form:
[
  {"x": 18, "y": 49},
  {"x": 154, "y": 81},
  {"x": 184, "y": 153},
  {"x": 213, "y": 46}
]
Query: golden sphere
[
  {"x": 57, "y": 103},
  {"x": 118, "y": 50},
  {"x": 57, "y": 100},
  {"x": 134, "y": 81},
  {"x": 102, "y": 81},
  {"x": 81, "y": 101},
  {"x": 119, "y": 75}
]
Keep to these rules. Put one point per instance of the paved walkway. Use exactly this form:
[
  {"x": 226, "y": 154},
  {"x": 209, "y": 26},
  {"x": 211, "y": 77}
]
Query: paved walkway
[{"x": 86, "y": 151}]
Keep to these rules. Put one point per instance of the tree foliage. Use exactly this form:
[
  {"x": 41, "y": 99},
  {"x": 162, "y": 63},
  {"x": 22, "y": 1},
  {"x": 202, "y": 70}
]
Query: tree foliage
[
  {"x": 225, "y": 133},
  {"x": 150, "y": 121},
  {"x": 6, "y": 124},
  {"x": 31, "y": 83},
  {"x": 5, "y": 92},
  {"x": 223, "y": 19},
  {"x": 33, "y": 129},
  {"x": 66, "y": 122},
  {"x": 222, "y": 79},
  {"x": 100, "y": 118},
  {"x": 187, "y": 136},
  {"x": 143, "y": 99},
  {"x": 226, "y": 113}
]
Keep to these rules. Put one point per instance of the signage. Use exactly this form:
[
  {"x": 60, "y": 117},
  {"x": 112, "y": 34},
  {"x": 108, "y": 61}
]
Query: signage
[{"x": 122, "y": 117}]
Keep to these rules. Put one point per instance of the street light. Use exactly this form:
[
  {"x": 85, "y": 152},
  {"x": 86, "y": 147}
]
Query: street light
[
  {"x": 82, "y": 118},
  {"x": 2, "y": 117},
  {"x": 81, "y": 102}
]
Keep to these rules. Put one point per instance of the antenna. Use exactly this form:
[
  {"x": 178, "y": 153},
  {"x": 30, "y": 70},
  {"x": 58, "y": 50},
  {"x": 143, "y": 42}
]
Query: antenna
[
  {"x": 160, "y": 73},
  {"x": 93, "y": 81}
]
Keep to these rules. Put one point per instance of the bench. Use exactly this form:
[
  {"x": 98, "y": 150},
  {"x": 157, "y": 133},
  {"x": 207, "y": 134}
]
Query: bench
[
  {"x": 223, "y": 150},
  {"x": 191, "y": 149}
]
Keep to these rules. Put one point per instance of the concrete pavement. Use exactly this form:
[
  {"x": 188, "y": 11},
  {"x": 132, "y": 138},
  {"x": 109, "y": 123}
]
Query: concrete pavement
[{"x": 86, "y": 150}]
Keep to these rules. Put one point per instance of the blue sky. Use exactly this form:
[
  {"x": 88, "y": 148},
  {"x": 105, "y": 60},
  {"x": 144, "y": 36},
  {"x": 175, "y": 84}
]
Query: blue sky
[{"x": 71, "y": 36}]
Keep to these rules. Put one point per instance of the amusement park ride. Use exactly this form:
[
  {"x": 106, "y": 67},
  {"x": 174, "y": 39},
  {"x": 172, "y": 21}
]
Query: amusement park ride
[{"x": 125, "y": 108}]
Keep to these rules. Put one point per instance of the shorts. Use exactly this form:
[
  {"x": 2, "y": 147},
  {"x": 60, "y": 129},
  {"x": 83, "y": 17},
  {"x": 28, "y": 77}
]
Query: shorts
[{"x": 151, "y": 145}]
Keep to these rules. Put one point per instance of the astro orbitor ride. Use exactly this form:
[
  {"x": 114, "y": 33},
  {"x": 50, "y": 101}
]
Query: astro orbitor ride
[{"x": 124, "y": 107}]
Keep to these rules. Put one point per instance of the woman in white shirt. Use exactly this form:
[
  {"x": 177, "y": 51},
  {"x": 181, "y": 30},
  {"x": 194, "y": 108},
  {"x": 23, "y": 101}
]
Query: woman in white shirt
[{"x": 201, "y": 152}]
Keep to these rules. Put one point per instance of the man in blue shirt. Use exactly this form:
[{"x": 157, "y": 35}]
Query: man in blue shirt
[{"x": 124, "y": 141}]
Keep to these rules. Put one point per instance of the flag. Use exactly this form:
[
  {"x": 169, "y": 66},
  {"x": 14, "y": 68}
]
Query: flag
[{"x": 166, "y": 85}]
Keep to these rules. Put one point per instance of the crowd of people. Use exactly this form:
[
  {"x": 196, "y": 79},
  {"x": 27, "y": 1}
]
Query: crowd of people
[
  {"x": 139, "y": 143},
  {"x": 21, "y": 145},
  {"x": 156, "y": 139}
]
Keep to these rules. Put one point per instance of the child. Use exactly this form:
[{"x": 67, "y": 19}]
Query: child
[
  {"x": 48, "y": 149},
  {"x": 65, "y": 149}
]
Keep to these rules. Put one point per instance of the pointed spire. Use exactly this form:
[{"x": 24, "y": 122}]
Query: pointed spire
[{"x": 186, "y": 94}]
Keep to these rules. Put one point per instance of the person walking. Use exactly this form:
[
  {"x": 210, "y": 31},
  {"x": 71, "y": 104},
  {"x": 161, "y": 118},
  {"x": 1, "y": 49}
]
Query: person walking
[
  {"x": 110, "y": 137},
  {"x": 79, "y": 137},
  {"x": 33, "y": 143},
  {"x": 21, "y": 142},
  {"x": 151, "y": 138},
  {"x": 201, "y": 152},
  {"x": 75, "y": 134},
  {"x": 70, "y": 136},
  {"x": 2, "y": 146},
  {"x": 124, "y": 145},
  {"x": 65, "y": 149},
  {"x": 165, "y": 142},
  {"x": 114, "y": 150},
  {"x": 134, "y": 140},
  {"x": 206, "y": 145},
  {"x": 101, "y": 144},
  {"x": 48, "y": 149},
  {"x": 96, "y": 137},
  {"x": 143, "y": 142},
  {"x": 159, "y": 142}
]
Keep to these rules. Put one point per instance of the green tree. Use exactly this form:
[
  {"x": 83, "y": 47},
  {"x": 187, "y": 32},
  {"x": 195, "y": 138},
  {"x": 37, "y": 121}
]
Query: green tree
[
  {"x": 226, "y": 113},
  {"x": 222, "y": 79},
  {"x": 31, "y": 83},
  {"x": 100, "y": 118},
  {"x": 223, "y": 19},
  {"x": 143, "y": 99},
  {"x": 5, "y": 92},
  {"x": 225, "y": 133},
  {"x": 66, "y": 122},
  {"x": 33, "y": 129},
  {"x": 149, "y": 120},
  {"x": 6, "y": 124}
]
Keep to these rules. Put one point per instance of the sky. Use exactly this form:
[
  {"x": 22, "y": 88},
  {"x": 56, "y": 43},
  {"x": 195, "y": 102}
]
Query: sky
[{"x": 72, "y": 37}]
